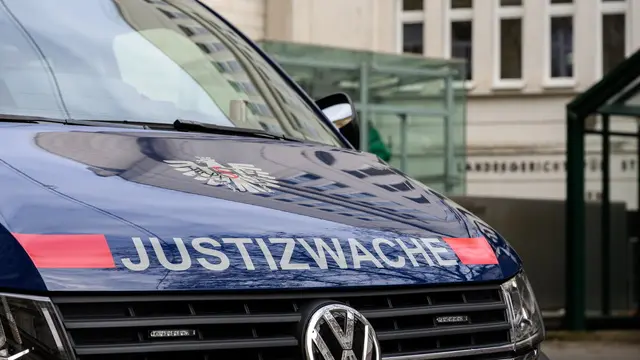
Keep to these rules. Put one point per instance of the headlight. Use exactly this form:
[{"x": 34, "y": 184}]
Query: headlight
[
  {"x": 30, "y": 330},
  {"x": 526, "y": 319}
]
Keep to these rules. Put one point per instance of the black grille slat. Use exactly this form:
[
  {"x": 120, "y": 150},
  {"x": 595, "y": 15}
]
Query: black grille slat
[
  {"x": 432, "y": 310},
  {"x": 274, "y": 318},
  {"x": 264, "y": 326},
  {"x": 489, "y": 292},
  {"x": 239, "y": 354},
  {"x": 452, "y": 330},
  {"x": 184, "y": 321},
  {"x": 186, "y": 346}
]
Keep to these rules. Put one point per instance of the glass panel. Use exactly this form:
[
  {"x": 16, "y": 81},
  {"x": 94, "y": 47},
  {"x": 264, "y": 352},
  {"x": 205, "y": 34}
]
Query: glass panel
[
  {"x": 412, "y": 38},
  {"x": 461, "y": 4},
  {"x": 461, "y": 43},
  {"x": 613, "y": 41},
  {"x": 622, "y": 96},
  {"x": 511, "y": 48},
  {"x": 562, "y": 47},
  {"x": 510, "y": 2},
  {"x": 404, "y": 84},
  {"x": 634, "y": 100},
  {"x": 623, "y": 165},
  {"x": 319, "y": 70},
  {"x": 408, "y": 5}
]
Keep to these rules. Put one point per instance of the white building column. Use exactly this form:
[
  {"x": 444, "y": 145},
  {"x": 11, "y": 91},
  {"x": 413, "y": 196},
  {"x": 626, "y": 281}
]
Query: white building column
[
  {"x": 435, "y": 27},
  {"x": 483, "y": 48},
  {"x": 533, "y": 35},
  {"x": 585, "y": 62},
  {"x": 353, "y": 24},
  {"x": 633, "y": 16}
]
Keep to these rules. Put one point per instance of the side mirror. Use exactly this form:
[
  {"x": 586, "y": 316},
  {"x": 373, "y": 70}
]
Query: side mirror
[{"x": 339, "y": 109}]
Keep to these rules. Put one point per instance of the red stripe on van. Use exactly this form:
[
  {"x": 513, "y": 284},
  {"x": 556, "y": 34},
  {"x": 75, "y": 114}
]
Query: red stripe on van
[
  {"x": 473, "y": 251},
  {"x": 89, "y": 251}
]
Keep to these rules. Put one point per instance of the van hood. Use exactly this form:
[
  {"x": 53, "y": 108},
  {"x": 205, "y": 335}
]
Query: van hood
[{"x": 112, "y": 209}]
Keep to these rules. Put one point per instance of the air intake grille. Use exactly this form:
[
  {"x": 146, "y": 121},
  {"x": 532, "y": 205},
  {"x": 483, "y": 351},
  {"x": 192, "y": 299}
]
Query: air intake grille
[{"x": 264, "y": 326}]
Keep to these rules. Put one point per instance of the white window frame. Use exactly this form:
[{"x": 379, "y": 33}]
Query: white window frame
[
  {"x": 502, "y": 13},
  {"x": 558, "y": 10},
  {"x": 621, "y": 7},
  {"x": 451, "y": 15},
  {"x": 407, "y": 17}
]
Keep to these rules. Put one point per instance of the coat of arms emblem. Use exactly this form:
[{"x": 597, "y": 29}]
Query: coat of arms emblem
[{"x": 235, "y": 176}]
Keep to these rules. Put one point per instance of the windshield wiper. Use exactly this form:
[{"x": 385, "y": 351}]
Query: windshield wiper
[
  {"x": 178, "y": 125},
  {"x": 25, "y": 119},
  {"x": 29, "y": 119},
  {"x": 188, "y": 125}
]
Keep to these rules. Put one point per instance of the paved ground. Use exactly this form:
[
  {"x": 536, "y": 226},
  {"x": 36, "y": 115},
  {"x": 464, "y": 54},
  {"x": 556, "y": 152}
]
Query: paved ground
[{"x": 585, "y": 350}]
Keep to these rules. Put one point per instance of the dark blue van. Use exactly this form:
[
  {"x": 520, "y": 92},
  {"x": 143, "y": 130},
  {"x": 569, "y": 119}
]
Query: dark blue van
[{"x": 167, "y": 192}]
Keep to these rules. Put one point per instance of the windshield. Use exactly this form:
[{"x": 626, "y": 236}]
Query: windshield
[{"x": 145, "y": 61}]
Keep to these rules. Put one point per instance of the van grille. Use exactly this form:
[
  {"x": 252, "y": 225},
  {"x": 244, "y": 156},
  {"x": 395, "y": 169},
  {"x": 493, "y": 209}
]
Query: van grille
[{"x": 264, "y": 326}]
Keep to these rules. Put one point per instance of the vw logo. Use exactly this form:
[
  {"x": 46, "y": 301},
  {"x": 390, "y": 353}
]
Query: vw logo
[{"x": 339, "y": 332}]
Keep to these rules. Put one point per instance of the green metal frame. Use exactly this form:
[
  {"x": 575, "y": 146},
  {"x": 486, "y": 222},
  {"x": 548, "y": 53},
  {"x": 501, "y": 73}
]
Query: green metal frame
[{"x": 606, "y": 98}]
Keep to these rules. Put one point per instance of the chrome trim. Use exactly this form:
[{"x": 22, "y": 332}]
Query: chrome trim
[
  {"x": 452, "y": 354},
  {"x": 312, "y": 334},
  {"x": 27, "y": 297},
  {"x": 54, "y": 330},
  {"x": 510, "y": 311},
  {"x": 533, "y": 355},
  {"x": 534, "y": 340}
]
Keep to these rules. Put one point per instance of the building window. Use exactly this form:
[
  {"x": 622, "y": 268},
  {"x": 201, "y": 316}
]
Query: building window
[
  {"x": 412, "y": 27},
  {"x": 193, "y": 30},
  {"x": 231, "y": 66},
  {"x": 204, "y": 48},
  {"x": 243, "y": 87},
  {"x": 174, "y": 14},
  {"x": 613, "y": 33},
  {"x": 461, "y": 44},
  {"x": 412, "y": 41},
  {"x": 461, "y": 33},
  {"x": 216, "y": 47},
  {"x": 187, "y": 31},
  {"x": 259, "y": 109},
  {"x": 509, "y": 40},
  {"x": 461, "y": 4},
  {"x": 168, "y": 14},
  {"x": 562, "y": 47},
  {"x": 410, "y": 5},
  {"x": 560, "y": 37},
  {"x": 211, "y": 48}
]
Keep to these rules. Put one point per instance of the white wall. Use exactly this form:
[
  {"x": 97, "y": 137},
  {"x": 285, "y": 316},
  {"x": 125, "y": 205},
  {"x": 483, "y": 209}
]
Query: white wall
[
  {"x": 542, "y": 176},
  {"x": 354, "y": 24},
  {"x": 248, "y": 15},
  {"x": 531, "y": 130}
]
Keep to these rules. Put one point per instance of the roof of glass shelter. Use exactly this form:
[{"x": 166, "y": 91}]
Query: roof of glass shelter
[
  {"x": 392, "y": 77},
  {"x": 617, "y": 93},
  {"x": 338, "y": 56}
]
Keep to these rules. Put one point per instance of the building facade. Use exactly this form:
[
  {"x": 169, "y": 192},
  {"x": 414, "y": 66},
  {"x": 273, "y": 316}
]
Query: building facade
[{"x": 526, "y": 60}]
